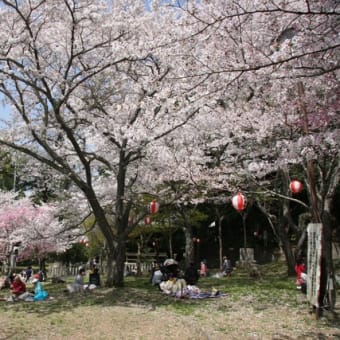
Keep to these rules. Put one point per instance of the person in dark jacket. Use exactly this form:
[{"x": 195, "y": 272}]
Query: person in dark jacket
[{"x": 191, "y": 275}]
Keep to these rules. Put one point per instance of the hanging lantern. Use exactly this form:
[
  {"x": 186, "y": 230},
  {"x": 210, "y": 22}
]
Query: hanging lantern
[
  {"x": 147, "y": 220},
  {"x": 84, "y": 242},
  {"x": 154, "y": 207},
  {"x": 239, "y": 202},
  {"x": 295, "y": 186}
]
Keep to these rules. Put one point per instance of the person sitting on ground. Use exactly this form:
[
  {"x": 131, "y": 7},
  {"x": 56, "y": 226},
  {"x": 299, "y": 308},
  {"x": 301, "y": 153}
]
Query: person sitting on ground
[
  {"x": 39, "y": 293},
  {"x": 227, "y": 267},
  {"x": 191, "y": 275},
  {"x": 157, "y": 276},
  {"x": 174, "y": 286},
  {"x": 18, "y": 290},
  {"x": 94, "y": 277},
  {"x": 18, "y": 287},
  {"x": 78, "y": 283}
]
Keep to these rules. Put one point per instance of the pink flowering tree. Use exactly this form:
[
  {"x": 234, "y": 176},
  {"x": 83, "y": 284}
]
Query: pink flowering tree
[
  {"x": 273, "y": 69},
  {"x": 91, "y": 94},
  {"x": 118, "y": 99},
  {"x": 34, "y": 230}
]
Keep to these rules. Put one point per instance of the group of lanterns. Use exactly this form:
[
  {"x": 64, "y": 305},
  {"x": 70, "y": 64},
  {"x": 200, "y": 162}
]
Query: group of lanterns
[
  {"x": 84, "y": 242},
  {"x": 239, "y": 201},
  {"x": 153, "y": 209}
]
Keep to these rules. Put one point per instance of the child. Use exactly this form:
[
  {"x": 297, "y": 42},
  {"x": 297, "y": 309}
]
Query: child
[
  {"x": 204, "y": 268},
  {"x": 39, "y": 293}
]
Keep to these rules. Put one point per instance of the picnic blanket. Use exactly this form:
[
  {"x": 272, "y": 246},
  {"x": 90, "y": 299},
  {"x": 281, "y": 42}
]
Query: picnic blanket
[{"x": 206, "y": 295}]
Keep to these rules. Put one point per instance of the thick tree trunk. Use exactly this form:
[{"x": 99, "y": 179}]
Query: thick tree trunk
[
  {"x": 117, "y": 252},
  {"x": 115, "y": 265}
]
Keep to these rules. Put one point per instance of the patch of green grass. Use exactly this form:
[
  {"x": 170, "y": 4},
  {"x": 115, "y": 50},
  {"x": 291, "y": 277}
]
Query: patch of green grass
[{"x": 272, "y": 288}]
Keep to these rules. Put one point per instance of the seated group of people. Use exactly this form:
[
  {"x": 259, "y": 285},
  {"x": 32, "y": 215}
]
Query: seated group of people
[
  {"x": 78, "y": 284},
  {"x": 19, "y": 290},
  {"x": 171, "y": 281}
]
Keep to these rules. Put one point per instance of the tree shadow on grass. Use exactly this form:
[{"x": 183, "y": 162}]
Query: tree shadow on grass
[{"x": 137, "y": 293}]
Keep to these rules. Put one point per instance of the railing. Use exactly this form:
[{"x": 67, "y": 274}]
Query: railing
[
  {"x": 131, "y": 267},
  {"x": 59, "y": 270},
  {"x": 149, "y": 257}
]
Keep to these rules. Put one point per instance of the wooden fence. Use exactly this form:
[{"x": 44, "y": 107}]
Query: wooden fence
[
  {"x": 145, "y": 261},
  {"x": 60, "y": 270}
]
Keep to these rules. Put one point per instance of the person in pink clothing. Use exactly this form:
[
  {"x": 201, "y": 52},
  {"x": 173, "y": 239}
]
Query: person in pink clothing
[{"x": 204, "y": 268}]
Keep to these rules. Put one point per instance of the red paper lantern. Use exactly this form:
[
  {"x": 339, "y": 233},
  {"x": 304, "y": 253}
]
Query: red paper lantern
[
  {"x": 295, "y": 186},
  {"x": 239, "y": 202},
  {"x": 154, "y": 207},
  {"x": 147, "y": 220}
]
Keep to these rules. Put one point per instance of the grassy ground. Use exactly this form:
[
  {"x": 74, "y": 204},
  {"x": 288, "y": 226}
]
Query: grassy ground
[{"x": 265, "y": 308}]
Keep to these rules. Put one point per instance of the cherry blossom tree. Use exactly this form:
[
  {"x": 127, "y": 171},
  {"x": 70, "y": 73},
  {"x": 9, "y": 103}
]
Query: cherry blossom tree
[
  {"x": 191, "y": 91},
  {"x": 35, "y": 229},
  {"x": 89, "y": 96},
  {"x": 281, "y": 58}
]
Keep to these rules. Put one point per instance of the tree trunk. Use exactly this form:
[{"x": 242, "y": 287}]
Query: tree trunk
[
  {"x": 170, "y": 246},
  {"x": 283, "y": 228},
  {"x": 220, "y": 238},
  {"x": 327, "y": 270},
  {"x": 139, "y": 254},
  {"x": 117, "y": 252},
  {"x": 115, "y": 265},
  {"x": 287, "y": 250},
  {"x": 189, "y": 246}
]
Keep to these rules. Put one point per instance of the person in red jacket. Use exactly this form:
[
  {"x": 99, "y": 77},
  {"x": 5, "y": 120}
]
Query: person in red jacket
[
  {"x": 300, "y": 268},
  {"x": 18, "y": 287}
]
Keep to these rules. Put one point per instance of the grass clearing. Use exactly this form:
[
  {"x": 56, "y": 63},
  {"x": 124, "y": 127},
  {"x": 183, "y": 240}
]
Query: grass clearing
[{"x": 265, "y": 308}]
